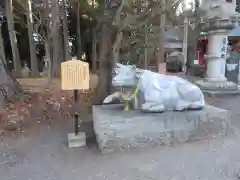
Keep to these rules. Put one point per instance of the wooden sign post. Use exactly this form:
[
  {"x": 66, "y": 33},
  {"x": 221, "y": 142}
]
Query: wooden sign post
[{"x": 75, "y": 76}]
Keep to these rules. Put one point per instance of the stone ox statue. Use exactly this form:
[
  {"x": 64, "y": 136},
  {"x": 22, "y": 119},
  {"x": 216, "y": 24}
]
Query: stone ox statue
[{"x": 159, "y": 92}]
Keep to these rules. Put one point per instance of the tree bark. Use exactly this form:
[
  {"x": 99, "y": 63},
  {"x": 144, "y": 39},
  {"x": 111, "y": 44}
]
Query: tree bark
[
  {"x": 13, "y": 38},
  {"x": 108, "y": 57},
  {"x": 193, "y": 36},
  {"x": 105, "y": 68},
  {"x": 61, "y": 45},
  {"x": 67, "y": 55},
  {"x": 56, "y": 61},
  {"x": 49, "y": 57},
  {"x": 2, "y": 51},
  {"x": 160, "y": 57},
  {"x": 116, "y": 47},
  {"x": 79, "y": 40},
  {"x": 146, "y": 51},
  {"x": 8, "y": 84},
  {"x": 94, "y": 50},
  {"x": 34, "y": 61}
]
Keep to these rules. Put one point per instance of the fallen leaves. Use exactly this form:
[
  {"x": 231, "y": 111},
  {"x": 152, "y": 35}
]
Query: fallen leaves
[{"x": 43, "y": 105}]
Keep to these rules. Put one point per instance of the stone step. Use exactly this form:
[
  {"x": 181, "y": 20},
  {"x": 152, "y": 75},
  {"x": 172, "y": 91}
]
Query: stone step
[{"x": 123, "y": 131}]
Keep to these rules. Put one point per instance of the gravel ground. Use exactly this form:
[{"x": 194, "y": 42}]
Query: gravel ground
[{"x": 43, "y": 155}]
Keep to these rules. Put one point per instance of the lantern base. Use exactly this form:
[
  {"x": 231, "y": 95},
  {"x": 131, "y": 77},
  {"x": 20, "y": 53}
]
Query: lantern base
[{"x": 217, "y": 85}]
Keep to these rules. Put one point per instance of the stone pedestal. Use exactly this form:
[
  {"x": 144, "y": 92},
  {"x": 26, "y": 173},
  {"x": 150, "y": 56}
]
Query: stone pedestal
[
  {"x": 116, "y": 130},
  {"x": 217, "y": 30},
  {"x": 128, "y": 90}
]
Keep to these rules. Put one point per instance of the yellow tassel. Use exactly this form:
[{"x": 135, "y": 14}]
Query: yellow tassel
[
  {"x": 126, "y": 106},
  {"x": 127, "y": 103}
]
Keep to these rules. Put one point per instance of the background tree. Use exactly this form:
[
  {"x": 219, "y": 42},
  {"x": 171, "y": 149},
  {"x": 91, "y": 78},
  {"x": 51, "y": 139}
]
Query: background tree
[
  {"x": 8, "y": 84},
  {"x": 2, "y": 51},
  {"x": 106, "y": 29},
  {"x": 194, "y": 16},
  {"x": 64, "y": 14},
  {"x": 12, "y": 35},
  {"x": 32, "y": 46}
]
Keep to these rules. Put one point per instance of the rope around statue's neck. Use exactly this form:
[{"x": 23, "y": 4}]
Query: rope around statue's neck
[
  {"x": 135, "y": 92},
  {"x": 132, "y": 97}
]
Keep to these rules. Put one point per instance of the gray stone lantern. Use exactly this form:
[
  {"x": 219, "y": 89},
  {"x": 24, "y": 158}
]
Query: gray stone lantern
[{"x": 219, "y": 20}]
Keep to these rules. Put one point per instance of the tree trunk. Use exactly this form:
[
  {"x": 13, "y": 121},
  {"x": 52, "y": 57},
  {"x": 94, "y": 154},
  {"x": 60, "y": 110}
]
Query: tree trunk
[
  {"x": 49, "y": 57},
  {"x": 67, "y": 55},
  {"x": 2, "y": 51},
  {"x": 56, "y": 61},
  {"x": 116, "y": 47},
  {"x": 193, "y": 37},
  {"x": 146, "y": 51},
  {"x": 61, "y": 45},
  {"x": 94, "y": 46},
  {"x": 105, "y": 68},
  {"x": 13, "y": 38},
  {"x": 34, "y": 61},
  {"x": 108, "y": 57},
  {"x": 160, "y": 57},
  {"x": 8, "y": 84},
  {"x": 94, "y": 50},
  {"x": 79, "y": 40}
]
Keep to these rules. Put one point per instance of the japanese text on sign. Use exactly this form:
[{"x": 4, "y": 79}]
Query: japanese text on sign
[{"x": 74, "y": 75}]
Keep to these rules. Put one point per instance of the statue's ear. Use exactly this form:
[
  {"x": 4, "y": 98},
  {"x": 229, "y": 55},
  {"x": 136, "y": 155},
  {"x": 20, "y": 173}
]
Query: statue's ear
[{"x": 116, "y": 70}]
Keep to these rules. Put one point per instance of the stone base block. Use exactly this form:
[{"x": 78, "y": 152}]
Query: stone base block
[
  {"x": 119, "y": 131},
  {"x": 217, "y": 85},
  {"x": 76, "y": 140},
  {"x": 215, "y": 93}
]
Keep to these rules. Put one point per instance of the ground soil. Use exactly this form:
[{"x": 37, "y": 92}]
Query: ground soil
[
  {"x": 43, "y": 102},
  {"x": 41, "y": 153},
  {"x": 39, "y": 149}
]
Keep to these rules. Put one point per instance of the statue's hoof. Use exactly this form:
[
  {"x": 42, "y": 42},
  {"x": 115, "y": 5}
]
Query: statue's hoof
[{"x": 153, "y": 108}]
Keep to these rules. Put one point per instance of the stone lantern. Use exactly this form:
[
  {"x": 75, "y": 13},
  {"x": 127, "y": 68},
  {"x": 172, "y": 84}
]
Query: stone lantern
[{"x": 219, "y": 20}]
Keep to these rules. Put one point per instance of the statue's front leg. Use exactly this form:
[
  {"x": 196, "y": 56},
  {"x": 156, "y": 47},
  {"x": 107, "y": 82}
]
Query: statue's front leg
[
  {"x": 196, "y": 105},
  {"x": 181, "y": 105},
  {"x": 112, "y": 97}
]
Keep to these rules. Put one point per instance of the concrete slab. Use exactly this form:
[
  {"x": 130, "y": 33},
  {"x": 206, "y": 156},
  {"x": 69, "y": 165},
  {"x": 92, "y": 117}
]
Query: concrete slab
[
  {"x": 78, "y": 140},
  {"x": 123, "y": 131}
]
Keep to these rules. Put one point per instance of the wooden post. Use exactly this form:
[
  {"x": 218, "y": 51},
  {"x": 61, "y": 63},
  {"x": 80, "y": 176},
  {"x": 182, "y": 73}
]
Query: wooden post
[
  {"x": 75, "y": 97},
  {"x": 75, "y": 76}
]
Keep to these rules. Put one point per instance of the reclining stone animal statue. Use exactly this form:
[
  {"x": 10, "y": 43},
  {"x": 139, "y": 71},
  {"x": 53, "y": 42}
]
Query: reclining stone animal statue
[{"x": 160, "y": 92}]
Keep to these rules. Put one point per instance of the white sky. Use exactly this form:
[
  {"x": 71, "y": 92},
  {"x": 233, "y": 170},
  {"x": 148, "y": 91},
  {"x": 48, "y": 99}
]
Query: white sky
[{"x": 188, "y": 3}]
